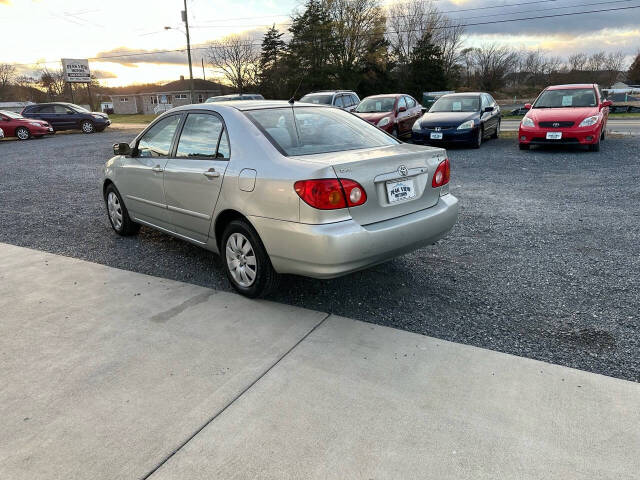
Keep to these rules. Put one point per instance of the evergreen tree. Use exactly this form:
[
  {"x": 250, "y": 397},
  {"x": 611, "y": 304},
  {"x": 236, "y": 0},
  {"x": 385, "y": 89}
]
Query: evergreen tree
[
  {"x": 633, "y": 77},
  {"x": 426, "y": 69},
  {"x": 272, "y": 68},
  {"x": 309, "y": 52}
]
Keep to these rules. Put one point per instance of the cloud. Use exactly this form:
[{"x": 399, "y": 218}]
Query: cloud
[
  {"x": 130, "y": 57},
  {"x": 102, "y": 74}
]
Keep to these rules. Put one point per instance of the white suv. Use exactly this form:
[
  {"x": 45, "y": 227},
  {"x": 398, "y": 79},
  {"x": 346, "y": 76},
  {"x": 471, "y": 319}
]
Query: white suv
[{"x": 344, "y": 99}]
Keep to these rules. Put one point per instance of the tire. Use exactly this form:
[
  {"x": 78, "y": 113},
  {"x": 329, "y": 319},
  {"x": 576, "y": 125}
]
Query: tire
[
  {"x": 523, "y": 146},
  {"x": 478, "y": 141},
  {"x": 118, "y": 214},
  {"x": 496, "y": 134},
  {"x": 23, "y": 133},
  {"x": 87, "y": 126},
  {"x": 595, "y": 147},
  {"x": 252, "y": 281},
  {"x": 603, "y": 133}
]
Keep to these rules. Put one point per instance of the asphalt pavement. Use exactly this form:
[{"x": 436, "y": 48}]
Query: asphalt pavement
[{"x": 544, "y": 262}]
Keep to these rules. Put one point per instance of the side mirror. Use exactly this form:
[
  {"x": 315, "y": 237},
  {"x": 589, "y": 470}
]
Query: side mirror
[
  {"x": 402, "y": 109},
  {"x": 488, "y": 109},
  {"x": 527, "y": 106},
  {"x": 121, "y": 149},
  {"x": 606, "y": 103}
]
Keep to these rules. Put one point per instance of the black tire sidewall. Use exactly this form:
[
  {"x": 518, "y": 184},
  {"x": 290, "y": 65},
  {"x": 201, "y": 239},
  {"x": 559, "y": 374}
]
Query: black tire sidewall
[
  {"x": 265, "y": 275},
  {"x": 128, "y": 226}
]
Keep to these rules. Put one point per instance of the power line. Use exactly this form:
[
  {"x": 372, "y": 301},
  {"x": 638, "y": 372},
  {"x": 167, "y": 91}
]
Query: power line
[{"x": 557, "y": 15}]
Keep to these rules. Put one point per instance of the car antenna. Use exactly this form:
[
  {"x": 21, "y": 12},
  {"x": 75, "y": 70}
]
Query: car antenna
[{"x": 293, "y": 97}]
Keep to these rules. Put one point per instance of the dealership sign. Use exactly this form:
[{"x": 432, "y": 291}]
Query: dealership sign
[{"x": 76, "y": 70}]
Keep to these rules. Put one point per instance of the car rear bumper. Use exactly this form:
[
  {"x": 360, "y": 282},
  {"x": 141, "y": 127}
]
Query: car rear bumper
[
  {"x": 451, "y": 135},
  {"x": 570, "y": 136},
  {"x": 335, "y": 249}
]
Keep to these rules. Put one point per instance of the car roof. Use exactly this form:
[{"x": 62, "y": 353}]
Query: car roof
[
  {"x": 382, "y": 95},
  {"x": 570, "y": 86},
  {"x": 463, "y": 94},
  {"x": 243, "y": 105},
  {"x": 320, "y": 92}
]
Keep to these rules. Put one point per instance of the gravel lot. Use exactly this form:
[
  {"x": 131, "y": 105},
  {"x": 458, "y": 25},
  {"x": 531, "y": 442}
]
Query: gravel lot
[{"x": 544, "y": 262}]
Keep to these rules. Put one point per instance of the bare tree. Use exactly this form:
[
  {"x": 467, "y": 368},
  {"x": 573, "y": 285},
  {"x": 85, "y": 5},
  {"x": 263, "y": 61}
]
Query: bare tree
[
  {"x": 238, "y": 59},
  {"x": 450, "y": 39},
  {"x": 7, "y": 74},
  {"x": 577, "y": 62},
  {"x": 407, "y": 23},
  {"x": 53, "y": 82},
  {"x": 614, "y": 65},
  {"x": 493, "y": 64},
  {"x": 596, "y": 61},
  {"x": 358, "y": 29}
]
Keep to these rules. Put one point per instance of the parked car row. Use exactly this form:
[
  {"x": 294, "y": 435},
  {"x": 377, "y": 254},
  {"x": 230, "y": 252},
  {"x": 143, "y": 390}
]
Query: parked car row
[{"x": 42, "y": 119}]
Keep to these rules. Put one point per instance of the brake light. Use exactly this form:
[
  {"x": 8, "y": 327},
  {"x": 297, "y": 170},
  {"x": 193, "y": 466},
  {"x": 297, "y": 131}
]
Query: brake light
[
  {"x": 442, "y": 175},
  {"x": 330, "y": 193}
]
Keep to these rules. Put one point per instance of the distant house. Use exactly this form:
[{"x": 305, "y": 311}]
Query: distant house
[{"x": 164, "y": 97}]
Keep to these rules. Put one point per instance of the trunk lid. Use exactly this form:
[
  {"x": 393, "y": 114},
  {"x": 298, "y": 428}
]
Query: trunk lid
[{"x": 376, "y": 168}]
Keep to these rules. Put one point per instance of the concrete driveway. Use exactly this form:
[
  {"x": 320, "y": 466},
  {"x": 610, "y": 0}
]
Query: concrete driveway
[{"x": 112, "y": 374}]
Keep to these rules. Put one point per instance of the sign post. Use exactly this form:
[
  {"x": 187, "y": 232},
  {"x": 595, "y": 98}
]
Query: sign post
[{"x": 77, "y": 71}]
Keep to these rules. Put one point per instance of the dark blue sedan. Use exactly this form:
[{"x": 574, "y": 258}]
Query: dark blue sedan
[
  {"x": 67, "y": 116},
  {"x": 466, "y": 118}
]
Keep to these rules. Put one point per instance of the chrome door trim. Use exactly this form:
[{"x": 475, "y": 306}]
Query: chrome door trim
[
  {"x": 148, "y": 202},
  {"x": 189, "y": 212},
  {"x": 170, "y": 232}
]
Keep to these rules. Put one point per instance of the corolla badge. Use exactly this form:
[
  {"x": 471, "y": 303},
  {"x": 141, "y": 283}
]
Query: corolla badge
[{"x": 403, "y": 170}]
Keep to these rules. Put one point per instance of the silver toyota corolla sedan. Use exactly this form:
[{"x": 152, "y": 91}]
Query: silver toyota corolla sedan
[{"x": 277, "y": 188}]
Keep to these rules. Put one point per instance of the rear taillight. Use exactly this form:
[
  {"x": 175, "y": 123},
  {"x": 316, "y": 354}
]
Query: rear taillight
[
  {"x": 330, "y": 193},
  {"x": 443, "y": 172}
]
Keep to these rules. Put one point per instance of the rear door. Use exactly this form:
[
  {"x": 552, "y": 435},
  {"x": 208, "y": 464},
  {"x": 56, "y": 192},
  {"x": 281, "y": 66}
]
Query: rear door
[
  {"x": 47, "y": 113},
  {"x": 140, "y": 179},
  {"x": 194, "y": 175}
]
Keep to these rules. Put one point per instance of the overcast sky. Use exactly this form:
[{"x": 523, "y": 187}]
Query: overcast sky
[{"x": 47, "y": 30}]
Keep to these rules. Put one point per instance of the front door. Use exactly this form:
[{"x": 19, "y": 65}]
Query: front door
[
  {"x": 193, "y": 176},
  {"x": 141, "y": 176}
]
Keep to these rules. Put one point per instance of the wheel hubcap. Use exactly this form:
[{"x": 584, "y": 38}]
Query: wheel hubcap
[
  {"x": 115, "y": 210},
  {"x": 22, "y": 134},
  {"x": 241, "y": 260},
  {"x": 87, "y": 127}
]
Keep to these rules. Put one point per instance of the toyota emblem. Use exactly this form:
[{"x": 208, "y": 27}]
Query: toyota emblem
[
  {"x": 437, "y": 129},
  {"x": 556, "y": 124},
  {"x": 402, "y": 170}
]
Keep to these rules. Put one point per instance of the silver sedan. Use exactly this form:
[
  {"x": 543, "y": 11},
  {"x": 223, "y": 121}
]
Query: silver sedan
[{"x": 280, "y": 189}]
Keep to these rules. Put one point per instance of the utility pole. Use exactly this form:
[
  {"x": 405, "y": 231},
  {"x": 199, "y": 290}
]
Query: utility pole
[{"x": 185, "y": 19}]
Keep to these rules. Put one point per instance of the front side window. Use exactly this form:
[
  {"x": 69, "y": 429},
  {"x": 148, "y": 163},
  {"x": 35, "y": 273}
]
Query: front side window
[
  {"x": 402, "y": 103},
  {"x": 456, "y": 104},
  {"x": 61, "y": 109},
  {"x": 156, "y": 142},
  {"x": 47, "y": 109},
  {"x": 200, "y": 137},
  {"x": 566, "y": 98},
  {"x": 311, "y": 130},
  {"x": 338, "y": 101},
  {"x": 410, "y": 102}
]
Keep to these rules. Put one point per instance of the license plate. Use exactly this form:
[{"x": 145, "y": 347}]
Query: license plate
[
  {"x": 554, "y": 135},
  {"x": 436, "y": 135},
  {"x": 400, "y": 190}
]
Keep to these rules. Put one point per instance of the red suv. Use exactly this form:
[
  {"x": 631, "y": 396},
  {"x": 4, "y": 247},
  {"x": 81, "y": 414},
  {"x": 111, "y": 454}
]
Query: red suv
[
  {"x": 15, "y": 125},
  {"x": 565, "y": 115}
]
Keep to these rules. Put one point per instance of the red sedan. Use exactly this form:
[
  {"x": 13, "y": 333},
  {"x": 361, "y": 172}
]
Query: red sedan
[
  {"x": 565, "y": 115},
  {"x": 394, "y": 113},
  {"x": 15, "y": 125}
]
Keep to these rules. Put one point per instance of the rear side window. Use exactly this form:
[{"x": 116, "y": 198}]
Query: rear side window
[
  {"x": 311, "y": 130},
  {"x": 46, "y": 109},
  {"x": 156, "y": 142},
  {"x": 201, "y": 136},
  {"x": 61, "y": 109}
]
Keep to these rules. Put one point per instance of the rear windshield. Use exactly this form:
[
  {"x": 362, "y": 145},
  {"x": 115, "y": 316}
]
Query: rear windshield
[
  {"x": 566, "y": 98},
  {"x": 456, "y": 104},
  {"x": 309, "y": 130},
  {"x": 317, "y": 99},
  {"x": 375, "y": 105},
  {"x": 10, "y": 114}
]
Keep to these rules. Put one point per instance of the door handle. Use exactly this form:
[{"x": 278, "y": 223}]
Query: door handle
[
  {"x": 158, "y": 169},
  {"x": 211, "y": 173}
]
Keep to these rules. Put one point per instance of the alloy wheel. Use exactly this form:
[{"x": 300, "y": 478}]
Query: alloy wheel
[
  {"x": 87, "y": 127},
  {"x": 241, "y": 259},
  {"x": 22, "y": 133},
  {"x": 115, "y": 210}
]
